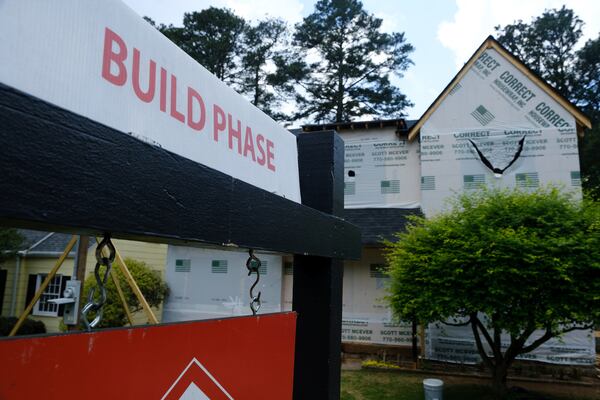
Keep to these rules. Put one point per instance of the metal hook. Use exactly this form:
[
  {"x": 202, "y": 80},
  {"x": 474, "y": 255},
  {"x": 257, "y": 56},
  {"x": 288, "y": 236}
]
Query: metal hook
[
  {"x": 98, "y": 306},
  {"x": 255, "y": 302}
]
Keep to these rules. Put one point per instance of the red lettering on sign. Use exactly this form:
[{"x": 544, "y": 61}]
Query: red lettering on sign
[
  {"x": 111, "y": 57},
  {"x": 148, "y": 95},
  {"x": 259, "y": 141},
  {"x": 193, "y": 95},
  {"x": 234, "y": 133},
  {"x": 270, "y": 155},
  {"x": 115, "y": 71},
  {"x": 174, "y": 113},
  {"x": 163, "y": 90},
  {"x": 249, "y": 144},
  {"x": 218, "y": 121}
]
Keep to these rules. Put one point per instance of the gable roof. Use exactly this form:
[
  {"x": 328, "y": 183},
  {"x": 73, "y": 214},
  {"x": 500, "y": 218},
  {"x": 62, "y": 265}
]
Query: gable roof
[
  {"x": 39, "y": 242},
  {"x": 400, "y": 124},
  {"x": 490, "y": 43}
]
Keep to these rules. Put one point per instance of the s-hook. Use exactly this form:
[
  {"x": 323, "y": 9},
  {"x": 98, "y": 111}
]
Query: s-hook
[
  {"x": 253, "y": 264},
  {"x": 98, "y": 306}
]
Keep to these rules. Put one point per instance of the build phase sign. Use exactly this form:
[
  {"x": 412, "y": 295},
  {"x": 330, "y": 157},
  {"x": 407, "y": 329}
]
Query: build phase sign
[
  {"x": 101, "y": 60},
  {"x": 237, "y": 358}
]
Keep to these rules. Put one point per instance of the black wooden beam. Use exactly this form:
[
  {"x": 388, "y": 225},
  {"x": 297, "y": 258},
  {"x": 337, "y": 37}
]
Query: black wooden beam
[
  {"x": 64, "y": 172},
  {"x": 317, "y": 293}
]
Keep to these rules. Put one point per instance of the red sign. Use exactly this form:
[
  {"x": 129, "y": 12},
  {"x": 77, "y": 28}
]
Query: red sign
[{"x": 234, "y": 358}]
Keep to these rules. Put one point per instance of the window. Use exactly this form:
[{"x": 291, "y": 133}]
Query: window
[
  {"x": 378, "y": 271},
  {"x": 288, "y": 268},
  {"x": 473, "y": 181},
  {"x": 219, "y": 266},
  {"x": 183, "y": 265},
  {"x": 527, "y": 180},
  {"x": 575, "y": 178},
  {"x": 53, "y": 291},
  {"x": 349, "y": 188},
  {"x": 390, "y": 187},
  {"x": 428, "y": 183}
]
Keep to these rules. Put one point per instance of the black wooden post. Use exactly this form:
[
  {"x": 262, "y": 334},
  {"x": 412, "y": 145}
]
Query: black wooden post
[{"x": 318, "y": 280}]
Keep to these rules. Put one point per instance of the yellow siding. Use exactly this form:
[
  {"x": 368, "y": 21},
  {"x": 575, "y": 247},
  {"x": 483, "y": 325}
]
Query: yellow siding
[
  {"x": 10, "y": 266},
  {"x": 153, "y": 254}
]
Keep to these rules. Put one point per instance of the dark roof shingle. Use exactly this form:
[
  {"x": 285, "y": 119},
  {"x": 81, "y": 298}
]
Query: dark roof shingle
[{"x": 378, "y": 224}]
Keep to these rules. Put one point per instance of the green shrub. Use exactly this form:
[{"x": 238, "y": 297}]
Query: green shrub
[
  {"x": 29, "y": 327},
  {"x": 150, "y": 282}
]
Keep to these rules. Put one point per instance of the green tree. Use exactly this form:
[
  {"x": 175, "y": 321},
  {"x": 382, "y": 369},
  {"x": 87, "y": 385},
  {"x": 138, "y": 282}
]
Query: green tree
[
  {"x": 353, "y": 62},
  {"x": 174, "y": 33},
  {"x": 150, "y": 282},
  {"x": 253, "y": 59},
  {"x": 528, "y": 261},
  {"x": 547, "y": 45},
  {"x": 10, "y": 241},
  {"x": 211, "y": 37},
  {"x": 268, "y": 68}
]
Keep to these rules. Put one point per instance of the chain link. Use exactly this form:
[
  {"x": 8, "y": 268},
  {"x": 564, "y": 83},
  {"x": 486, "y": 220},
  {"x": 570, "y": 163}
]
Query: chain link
[
  {"x": 253, "y": 264},
  {"x": 98, "y": 306}
]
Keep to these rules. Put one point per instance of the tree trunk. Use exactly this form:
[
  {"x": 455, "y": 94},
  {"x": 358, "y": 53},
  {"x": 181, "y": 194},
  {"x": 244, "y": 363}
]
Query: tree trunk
[
  {"x": 499, "y": 386},
  {"x": 339, "y": 115}
]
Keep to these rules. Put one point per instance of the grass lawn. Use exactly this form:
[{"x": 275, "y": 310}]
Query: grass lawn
[{"x": 375, "y": 385}]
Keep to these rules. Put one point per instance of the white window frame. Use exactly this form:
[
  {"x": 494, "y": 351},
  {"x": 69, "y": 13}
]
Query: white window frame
[{"x": 42, "y": 308}]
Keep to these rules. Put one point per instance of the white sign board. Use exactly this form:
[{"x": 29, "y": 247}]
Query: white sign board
[{"x": 101, "y": 60}]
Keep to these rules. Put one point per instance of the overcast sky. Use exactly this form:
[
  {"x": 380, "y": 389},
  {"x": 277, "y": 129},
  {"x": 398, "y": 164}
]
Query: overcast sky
[{"x": 444, "y": 32}]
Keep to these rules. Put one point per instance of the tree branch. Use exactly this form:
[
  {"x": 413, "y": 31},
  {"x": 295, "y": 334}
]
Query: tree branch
[
  {"x": 486, "y": 334},
  {"x": 486, "y": 359},
  {"x": 467, "y": 322},
  {"x": 575, "y": 328},
  {"x": 549, "y": 334},
  {"x": 537, "y": 343}
]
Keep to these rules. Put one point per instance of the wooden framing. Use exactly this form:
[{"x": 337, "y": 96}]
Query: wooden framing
[{"x": 490, "y": 43}]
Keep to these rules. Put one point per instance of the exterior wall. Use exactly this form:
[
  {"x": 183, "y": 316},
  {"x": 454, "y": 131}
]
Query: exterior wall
[
  {"x": 381, "y": 170},
  {"x": 366, "y": 316},
  {"x": 209, "y": 283},
  {"x": 495, "y": 106},
  {"x": 363, "y": 293},
  {"x": 10, "y": 267}
]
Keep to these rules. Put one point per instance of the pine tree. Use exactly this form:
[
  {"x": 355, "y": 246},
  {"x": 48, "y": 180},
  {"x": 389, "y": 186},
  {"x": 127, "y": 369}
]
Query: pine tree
[{"x": 351, "y": 61}]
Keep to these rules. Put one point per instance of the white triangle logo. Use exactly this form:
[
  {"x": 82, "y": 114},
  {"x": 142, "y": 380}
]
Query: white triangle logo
[
  {"x": 197, "y": 382},
  {"x": 193, "y": 392}
]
